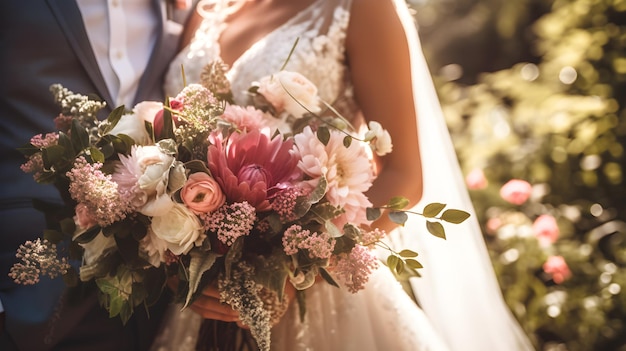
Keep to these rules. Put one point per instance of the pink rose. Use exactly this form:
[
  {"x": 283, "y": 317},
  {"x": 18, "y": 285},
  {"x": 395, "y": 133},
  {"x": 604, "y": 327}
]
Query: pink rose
[
  {"x": 545, "y": 229},
  {"x": 557, "y": 268},
  {"x": 84, "y": 219},
  {"x": 476, "y": 180},
  {"x": 202, "y": 194},
  {"x": 516, "y": 191}
]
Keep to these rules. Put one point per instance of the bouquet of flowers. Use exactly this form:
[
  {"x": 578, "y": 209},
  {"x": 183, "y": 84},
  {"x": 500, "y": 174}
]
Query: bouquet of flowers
[{"x": 205, "y": 191}]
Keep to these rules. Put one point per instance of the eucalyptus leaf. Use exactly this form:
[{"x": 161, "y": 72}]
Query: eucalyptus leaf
[
  {"x": 332, "y": 229},
  {"x": 392, "y": 262},
  {"x": 413, "y": 264},
  {"x": 197, "y": 166},
  {"x": 408, "y": 253},
  {"x": 323, "y": 135},
  {"x": 28, "y": 149},
  {"x": 400, "y": 266},
  {"x": 433, "y": 209},
  {"x": 436, "y": 229},
  {"x": 347, "y": 141},
  {"x": 398, "y": 203},
  {"x": 320, "y": 190},
  {"x": 373, "y": 213},
  {"x": 454, "y": 216},
  {"x": 398, "y": 217}
]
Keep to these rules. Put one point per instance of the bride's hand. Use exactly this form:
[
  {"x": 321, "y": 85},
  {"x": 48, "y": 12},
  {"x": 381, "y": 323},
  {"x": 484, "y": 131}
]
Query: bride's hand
[{"x": 208, "y": 305}]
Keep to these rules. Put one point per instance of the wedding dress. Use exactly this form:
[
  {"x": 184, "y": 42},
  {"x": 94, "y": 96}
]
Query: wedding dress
[{"x": 459, "y": 294}]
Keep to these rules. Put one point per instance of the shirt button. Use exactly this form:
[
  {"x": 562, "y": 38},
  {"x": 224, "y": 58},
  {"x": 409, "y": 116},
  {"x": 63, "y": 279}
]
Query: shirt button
[
  {"x": 115, "y": 3},
  {"x": 119, "y": 55}
]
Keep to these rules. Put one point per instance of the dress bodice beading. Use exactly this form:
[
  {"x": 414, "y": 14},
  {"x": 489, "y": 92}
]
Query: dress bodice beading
[{"x": 320, "y": 30}]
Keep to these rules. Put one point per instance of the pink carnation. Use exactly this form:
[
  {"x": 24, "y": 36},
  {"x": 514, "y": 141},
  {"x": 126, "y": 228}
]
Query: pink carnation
[
  {"x": 557, "y": 268},
  {"x": 245, "y": 118},
  {"x": 516, "y": 191},
  {"x": 546, "y": 229}
]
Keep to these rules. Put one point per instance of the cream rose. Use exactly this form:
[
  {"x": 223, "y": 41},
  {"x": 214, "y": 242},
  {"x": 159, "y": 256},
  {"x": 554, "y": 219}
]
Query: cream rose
[
  {"x": 202, "y": 194},
  {"x": 290, "y": 91},
  {"x": 179, "y": 228}
]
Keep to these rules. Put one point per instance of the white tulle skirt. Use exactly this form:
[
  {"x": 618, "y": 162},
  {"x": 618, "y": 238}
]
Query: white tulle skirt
[{"x": 381, "y": 317}]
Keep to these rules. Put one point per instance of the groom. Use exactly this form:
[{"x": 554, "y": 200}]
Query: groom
[{"x": 116, "y": 49}]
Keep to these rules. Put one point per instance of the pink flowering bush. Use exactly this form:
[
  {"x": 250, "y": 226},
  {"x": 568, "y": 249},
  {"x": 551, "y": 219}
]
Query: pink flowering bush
[{"x": 204, "y": 191}]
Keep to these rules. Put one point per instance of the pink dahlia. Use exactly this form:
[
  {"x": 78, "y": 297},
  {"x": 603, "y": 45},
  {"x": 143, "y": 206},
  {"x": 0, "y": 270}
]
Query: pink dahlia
[
  {"x": 252, "y": 166},
  {"x": 348, "y": 171}
]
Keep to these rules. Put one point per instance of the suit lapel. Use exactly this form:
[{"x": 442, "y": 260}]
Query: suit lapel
[{"x": 70, "y": 20}]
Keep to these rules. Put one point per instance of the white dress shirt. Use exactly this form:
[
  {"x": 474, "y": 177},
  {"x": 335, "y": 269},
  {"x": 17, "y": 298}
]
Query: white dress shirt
[{"x": 122, "y": 35}]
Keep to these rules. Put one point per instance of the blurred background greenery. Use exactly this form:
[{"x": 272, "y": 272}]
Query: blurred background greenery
[{"x": 536, "y": 90}]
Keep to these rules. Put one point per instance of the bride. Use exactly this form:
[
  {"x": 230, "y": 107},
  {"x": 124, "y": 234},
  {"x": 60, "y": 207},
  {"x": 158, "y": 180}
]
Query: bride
[{"x": 364, "y": 57}]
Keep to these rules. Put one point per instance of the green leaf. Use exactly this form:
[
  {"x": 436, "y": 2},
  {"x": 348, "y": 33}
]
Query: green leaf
[
  {"x": 200, "y": 263},
  {"x": 332, "y": 229},
  {"x": 79, "y": 136},
  {"x": 413, "y": 264},
  {"x": 347, "y": 141},
  {"x": 96, "y": 154},
  {"x": 352, "y": 232},
  {"x": 323, "y": 135},
  {"x": 398, "y": 217},
  {"x": 454, "y": 216},
  {"x": 400, "y": 266},
  {"x": 168, "y": 124},
  {"x": 112, "y": 120},
  {"x": 320, "y": 190},
  {"x": 392, "y": 262},
  {"x": 408, "y": 253},
  {"x": 373, "y": 213},
  {"x": 433, "y": 209},
  {"x": 436, "y": 229},
  {"x": 52, "y": 155},
  {"x": 398, "y": 203},
  {"x": 328, "y": 278},
  {"x": 28, "y": 149}
]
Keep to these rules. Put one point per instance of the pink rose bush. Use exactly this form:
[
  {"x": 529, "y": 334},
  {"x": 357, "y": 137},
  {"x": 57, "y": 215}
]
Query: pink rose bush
[
  {"x": 516, "y": 191},
  {"x": 203, "y": 190},
  {"x": 557, "y": 268}
]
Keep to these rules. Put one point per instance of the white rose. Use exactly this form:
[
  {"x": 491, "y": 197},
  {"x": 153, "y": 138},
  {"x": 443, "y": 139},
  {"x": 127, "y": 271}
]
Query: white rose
[
  {"x": 155, "y": 167},
  {"x": 379, "y": 138},
  {"x": 179, "y": 228},
  {"x": 290, "y": 91},
  {"x": 147, "y": 110}
]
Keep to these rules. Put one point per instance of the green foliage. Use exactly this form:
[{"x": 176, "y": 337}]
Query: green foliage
[{"x": 555, "y": 117}]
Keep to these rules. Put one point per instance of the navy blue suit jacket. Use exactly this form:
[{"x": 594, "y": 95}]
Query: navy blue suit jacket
[{"x": 44, "y": 42}]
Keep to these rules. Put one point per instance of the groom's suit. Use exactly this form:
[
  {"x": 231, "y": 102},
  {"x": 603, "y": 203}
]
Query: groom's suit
[{"x": 44, "y": 42}]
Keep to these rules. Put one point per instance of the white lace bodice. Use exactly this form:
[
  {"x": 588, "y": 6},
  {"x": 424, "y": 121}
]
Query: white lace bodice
[{"x": 319, "y": 55}]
